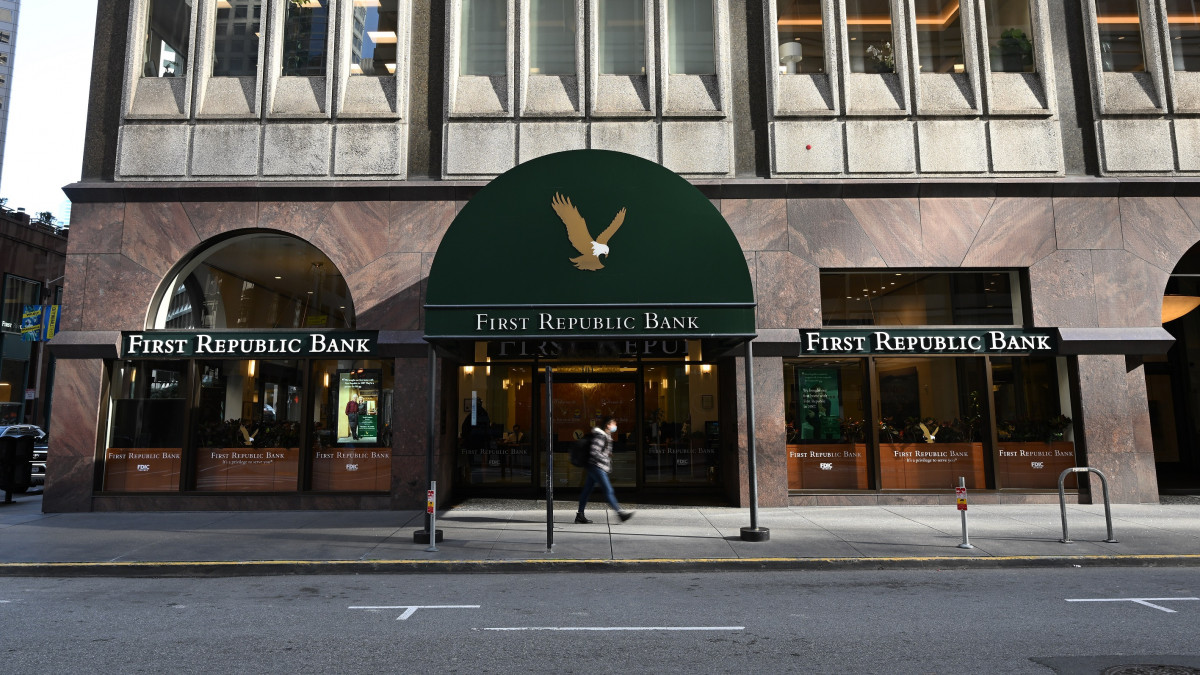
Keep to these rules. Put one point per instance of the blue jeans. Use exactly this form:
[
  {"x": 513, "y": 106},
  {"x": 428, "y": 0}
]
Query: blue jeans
[{"x": 596, "y": 476}]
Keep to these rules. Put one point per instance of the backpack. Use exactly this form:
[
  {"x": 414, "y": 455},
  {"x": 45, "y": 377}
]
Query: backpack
[{"x": 581, "y": 449}]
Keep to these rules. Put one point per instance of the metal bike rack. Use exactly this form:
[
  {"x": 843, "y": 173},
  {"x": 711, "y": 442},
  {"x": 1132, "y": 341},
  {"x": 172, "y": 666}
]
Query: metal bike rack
[{"x": 1062, "y": 501}]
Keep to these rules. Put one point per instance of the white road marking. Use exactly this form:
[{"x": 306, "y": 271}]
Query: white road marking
[
  {"x": 409, "y": 610},
  {"x": 621, "y": 628},
  {"x": 1140, "y": 601}
]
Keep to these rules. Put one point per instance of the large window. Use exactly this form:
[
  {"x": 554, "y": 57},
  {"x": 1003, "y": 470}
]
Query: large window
[
  {"x": 352, "y": 426},
  {"x": 305, "y": 28},
  {"x": 801, "y": 37},
  {"x": 258, "y": 281},
  {"x": 235, "y": 46},
  {"x": 889, "y": 298},
  {"x": 18, "y": 292},
  {"x": 146, "y": 430},
  {"x": 165, "y": 51},
  {"x": 869, "y": 30},
  {"x": 1183, "y": 20},
  {"x": 374, "y": 38},
  {"x": 939, "y": 36},
  {"x": 690, "y": 36},
  {"x": 552, "y": 37},
  {"x": 622, "y": 37},
  {"x": 483, "y": 38},
  {"x": 1010, "y": 36},
  {"x": 1119, "y": 24}
]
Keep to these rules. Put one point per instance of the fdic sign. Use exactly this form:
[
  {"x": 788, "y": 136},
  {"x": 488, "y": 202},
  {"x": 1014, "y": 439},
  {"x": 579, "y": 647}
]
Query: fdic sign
[{"x": 927, "y": 341}]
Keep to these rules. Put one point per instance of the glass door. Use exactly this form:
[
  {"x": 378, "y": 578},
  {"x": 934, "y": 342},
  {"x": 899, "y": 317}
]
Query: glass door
[{"x": 581, "y": 400}]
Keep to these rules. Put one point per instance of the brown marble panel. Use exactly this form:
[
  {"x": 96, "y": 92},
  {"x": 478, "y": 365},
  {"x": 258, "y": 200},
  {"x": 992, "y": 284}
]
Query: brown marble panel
[
  {"x": 1129, "y": 290},
  {"x": 894, "y": 227},
  {"x": 213, "y": 218},
  {"x": 759, "y": 224},
  {"x": 426, "y": 265},
  {"x": 1157, "y": 230},
  {"x": 948, "y": 226},
  {"x": 1191, "y": 206},
  {"x": 96, "y": 228},
  {"x": 1115, "y": 420},
  {"x": 770, "y": 450},
  {"x": 1087, "y": 222},
  {"x": 419, "y": 226},
  {"x": 157, "y": 234},
  {"x": 411, "y": 407},
  {"x": 1062, "y": 290},
  {"x": 1018, "y": 232},
  {"x": 299, "y": 218},
  {"x": 752, "y": 265},
  {"x": 825, "y": 233},
  {"x": 387, "y": 292},
  {"x": 408, "y": 482},
  {"x": 790, "y": 292},
  {"x": 69, "y": 484},
  {"x": 118, "y": 293},
  {"x": 355, "y": 234},
  {"x": 74, "y": 283},
  {"x": 76, "y": 405}
]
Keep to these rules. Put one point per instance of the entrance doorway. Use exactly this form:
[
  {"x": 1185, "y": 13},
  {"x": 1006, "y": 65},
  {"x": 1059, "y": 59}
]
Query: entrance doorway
[{"x": 1172, "y": 383}]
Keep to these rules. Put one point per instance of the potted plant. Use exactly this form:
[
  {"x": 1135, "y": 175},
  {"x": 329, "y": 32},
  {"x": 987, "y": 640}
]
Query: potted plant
[
  {"x": 1016, "y": 51},
  {"x": 881, "y": 57}
]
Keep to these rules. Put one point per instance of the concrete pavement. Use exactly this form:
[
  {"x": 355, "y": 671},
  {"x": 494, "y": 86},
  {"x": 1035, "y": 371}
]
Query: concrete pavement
[{"x": 512, "y": 536}]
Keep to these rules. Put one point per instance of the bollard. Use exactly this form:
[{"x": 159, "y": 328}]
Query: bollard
[
  {"x": 960, "y": 494},
  {"x": 431, "y": 510},
  {"x": 1062, "y": 501}
]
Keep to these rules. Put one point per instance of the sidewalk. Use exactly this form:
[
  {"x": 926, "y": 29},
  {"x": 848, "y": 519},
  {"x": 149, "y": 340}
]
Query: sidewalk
[{"x": 510, "y": 536}]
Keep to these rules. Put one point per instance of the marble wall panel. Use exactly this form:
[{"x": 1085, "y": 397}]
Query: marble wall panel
[
  {"x": 752, "y": 266},
  {"x": 790, "y": 292},
  {"x": 1087, "y": 222},
  {"x": 387, "y": 292},
  {"x": 894, "y": 228},
  {"x": 1115, "y": 419},
  {"x": 1157, "y": 230},
  {"x": 759, "y": 224},
  {"x": 353, "y": 235},
  {"x": 1129, "y": 290},
  {"x": 96, "y": 228},
  {"x": 411, "y": 407},
  {"x": 118, "y": 293},
  {"x": 770, "y": 455},
  {"x": 949, "y": 225},
  {"x": 77, "y": 386},
  {"x": 1190, "y": 206},
  {"x": 69, "y": 485},
  {"x": 212, "y": 218},
  {"x": 1018, "y": 232},
  {"x": 299, "y": 218},
  {"x": 157, "y": 234},
  {"x": 419, "y": 226},
  {"x": 409, "y": 483},
  {"x": 825, "y": 233},
  {"x": 74, "y": 292},
  {"x": 1062, "y": 290}
]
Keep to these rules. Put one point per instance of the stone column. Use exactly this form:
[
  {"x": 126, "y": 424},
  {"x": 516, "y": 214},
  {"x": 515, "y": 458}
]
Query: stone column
[
  {"x": 410, "y": 401},
  {"x": 769, "y": 434},
  {"x": 1116, "y": 426},
  {"x": 76, "y": 410}
]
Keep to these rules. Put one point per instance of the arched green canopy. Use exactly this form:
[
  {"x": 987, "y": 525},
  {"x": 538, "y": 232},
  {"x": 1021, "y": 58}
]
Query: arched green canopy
[{"x": 518, "y": 260}]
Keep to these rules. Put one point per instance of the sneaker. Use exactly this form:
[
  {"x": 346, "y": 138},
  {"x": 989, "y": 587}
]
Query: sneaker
[
  {"x": 625, "y": 515},
  {"x": 582, "y": 519}
]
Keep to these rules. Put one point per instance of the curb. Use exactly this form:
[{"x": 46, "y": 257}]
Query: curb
[{"x": 311, "y": 567}]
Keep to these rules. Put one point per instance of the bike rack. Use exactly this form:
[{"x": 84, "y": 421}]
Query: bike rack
[{"x": 1062, "y": 501}]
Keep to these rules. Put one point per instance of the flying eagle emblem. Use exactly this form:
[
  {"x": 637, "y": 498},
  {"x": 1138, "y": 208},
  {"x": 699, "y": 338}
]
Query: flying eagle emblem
[{"x": 581, "y": 239}]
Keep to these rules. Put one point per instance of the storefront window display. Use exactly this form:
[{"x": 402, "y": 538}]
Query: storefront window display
[
  {"x": 681, "y": 425},
  {"x": 495, "y": 419},
  {"x": 826, "y": 426},
  {"x": 352, "y": 426},
  {"x": 145, "y": 435},
  {"x": 1035, "y": 434}
]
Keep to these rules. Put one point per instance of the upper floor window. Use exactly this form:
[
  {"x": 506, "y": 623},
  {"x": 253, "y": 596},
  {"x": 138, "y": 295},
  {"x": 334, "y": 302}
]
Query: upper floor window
[
  {"x": 869, "y": 36},
  {"x": 1183, "y": 20},
  {"x": 1119, "y": 25},
  {"x": 483, "y": 38},
  {"x": 939, "y": 36},
  {"x": 1010, "y": 36},
  {"x": 800, "y": 33},
  {"x": 690, "y": 36},
  {"x": 889, "y": 298},
  {"x": 552, "y": 37},
  {"x": 376, "y": 26},
  {"x": 622, "y": 37},
  {"x": 6, "y": 15},
  {"x": 305, "y": 26},
  {"x": 232, "y": 37},
  {"x": 167, "y": 35},
  {"x": 18, "y": 292}
]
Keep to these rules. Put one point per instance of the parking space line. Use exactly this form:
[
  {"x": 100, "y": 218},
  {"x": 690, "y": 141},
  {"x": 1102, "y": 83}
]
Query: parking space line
[
  {"x": 409, "y": 610},
  {"x": 1141, "y": 601},
  {"x": 620, "y": 628}
]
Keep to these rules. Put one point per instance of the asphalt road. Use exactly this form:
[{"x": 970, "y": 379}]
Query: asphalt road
[{"x": 925, "y": 621}]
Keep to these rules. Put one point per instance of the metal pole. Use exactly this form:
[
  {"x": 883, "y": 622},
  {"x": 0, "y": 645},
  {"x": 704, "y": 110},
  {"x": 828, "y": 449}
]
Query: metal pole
[
  {"x": 966, "y": 543},
  {"x": 431, "y": 515},
  {"x": 430, "y": 534},
  {"x": 754, "y": 532},
  {"x": 549, "y": 459},
  {"x": 1062, "y": 501}
]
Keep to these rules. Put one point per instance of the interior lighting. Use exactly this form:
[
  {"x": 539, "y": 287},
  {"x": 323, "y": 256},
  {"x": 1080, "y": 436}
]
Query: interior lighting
[
  {"x": 1175, "y": 306},
  {"x": 250, "y": 367},
  {"x": 468, "y": 370}
]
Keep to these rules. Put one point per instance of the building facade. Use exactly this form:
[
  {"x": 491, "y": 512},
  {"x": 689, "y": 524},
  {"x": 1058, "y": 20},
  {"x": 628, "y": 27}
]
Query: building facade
[
  {"x": 10, "y": 11},
  {"x": 963, "y": 223}
]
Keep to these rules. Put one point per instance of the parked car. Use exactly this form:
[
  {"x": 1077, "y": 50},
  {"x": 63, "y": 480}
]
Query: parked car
[{"x": 40, "y": 448}]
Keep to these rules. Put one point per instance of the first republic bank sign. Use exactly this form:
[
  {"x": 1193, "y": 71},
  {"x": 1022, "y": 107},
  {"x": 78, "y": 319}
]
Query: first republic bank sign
[{"x": 927, "y": 341}]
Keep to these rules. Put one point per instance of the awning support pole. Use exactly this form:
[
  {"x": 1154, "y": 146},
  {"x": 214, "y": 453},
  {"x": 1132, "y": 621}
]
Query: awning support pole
[
  {"x": 422, "y": 536},
  {"x": 549, "y": 459},
  {"x": 754, "y": 532}
]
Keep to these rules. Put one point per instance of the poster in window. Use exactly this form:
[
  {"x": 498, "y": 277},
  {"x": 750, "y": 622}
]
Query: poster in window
[
  {"x": 819, "y": 403},
  {"x": 358, "y": 404}
]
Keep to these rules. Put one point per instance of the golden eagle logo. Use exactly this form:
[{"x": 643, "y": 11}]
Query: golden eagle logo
[{"x": 581, "y": 239}]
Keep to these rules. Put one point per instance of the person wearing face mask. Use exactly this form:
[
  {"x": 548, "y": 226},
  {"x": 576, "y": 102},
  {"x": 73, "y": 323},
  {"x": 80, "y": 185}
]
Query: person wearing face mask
[{"x": 598, "y": 468}]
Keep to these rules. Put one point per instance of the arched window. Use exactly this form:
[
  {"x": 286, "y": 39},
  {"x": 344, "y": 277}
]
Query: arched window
[{"x": 260, "y": 280}]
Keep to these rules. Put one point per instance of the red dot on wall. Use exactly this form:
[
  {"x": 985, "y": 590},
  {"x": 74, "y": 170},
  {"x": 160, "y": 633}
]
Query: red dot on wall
[{"x": 808, "y": 147}]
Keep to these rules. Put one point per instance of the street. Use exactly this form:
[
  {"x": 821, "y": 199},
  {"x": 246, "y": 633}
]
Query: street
[{"x": 1072, "y": 620}]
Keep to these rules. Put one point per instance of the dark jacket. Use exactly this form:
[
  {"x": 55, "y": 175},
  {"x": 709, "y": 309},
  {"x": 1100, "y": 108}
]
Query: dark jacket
[{"x": 600, "y": 454}]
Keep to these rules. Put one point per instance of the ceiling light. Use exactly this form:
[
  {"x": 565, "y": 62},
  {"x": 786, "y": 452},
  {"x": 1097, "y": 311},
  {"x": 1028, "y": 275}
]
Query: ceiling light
[{"x": 278, "y": 277}]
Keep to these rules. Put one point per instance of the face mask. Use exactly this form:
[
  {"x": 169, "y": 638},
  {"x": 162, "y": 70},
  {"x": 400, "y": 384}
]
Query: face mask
[{"x": 612, "y": 429}]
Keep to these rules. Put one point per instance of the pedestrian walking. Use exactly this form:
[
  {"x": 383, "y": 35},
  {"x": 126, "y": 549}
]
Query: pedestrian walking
[{"x": 598, "y": 467}]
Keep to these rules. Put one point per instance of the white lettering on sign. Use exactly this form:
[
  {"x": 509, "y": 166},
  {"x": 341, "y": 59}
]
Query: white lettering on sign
[{"x": 887, "y": 342}]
